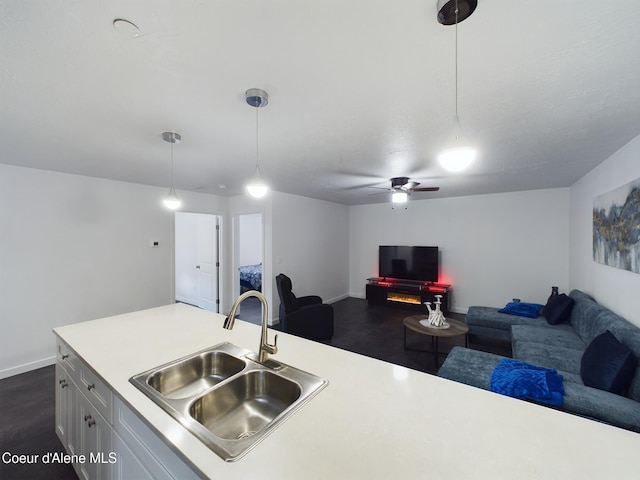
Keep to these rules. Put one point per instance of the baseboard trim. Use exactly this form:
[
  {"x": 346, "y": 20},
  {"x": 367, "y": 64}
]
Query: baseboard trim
[
  {"x": 27, "y": 367},
  {"x": 337, "y": 299}
]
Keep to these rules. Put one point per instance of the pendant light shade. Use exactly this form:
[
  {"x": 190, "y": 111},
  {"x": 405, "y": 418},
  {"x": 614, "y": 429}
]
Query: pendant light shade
[
  {"x": 257, "y": 98},
  {"x": 256, "y": 187},
  {"x": 172, "y": 201},
  {"x": 457, "y": 155}
]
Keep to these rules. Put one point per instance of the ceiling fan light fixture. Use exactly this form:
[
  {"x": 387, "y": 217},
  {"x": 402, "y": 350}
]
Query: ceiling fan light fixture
[{"x": 399, "y": 197}]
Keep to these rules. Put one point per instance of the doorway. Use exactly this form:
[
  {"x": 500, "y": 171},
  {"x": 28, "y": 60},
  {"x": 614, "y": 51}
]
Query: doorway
[
  {"x": 197, "y": 260},
  {"x": 250, "y": 247}
]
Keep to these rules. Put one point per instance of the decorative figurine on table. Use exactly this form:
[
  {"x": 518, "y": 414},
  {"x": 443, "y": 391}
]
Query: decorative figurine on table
[{"x": 436, "y": 317}]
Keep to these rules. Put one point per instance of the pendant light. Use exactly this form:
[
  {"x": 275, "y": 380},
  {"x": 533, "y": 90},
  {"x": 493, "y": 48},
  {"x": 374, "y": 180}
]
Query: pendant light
[
  {"x": 257, "y": 98},
  {"x": 458, "y": 155},
  {"x": 172, "y": 200}
]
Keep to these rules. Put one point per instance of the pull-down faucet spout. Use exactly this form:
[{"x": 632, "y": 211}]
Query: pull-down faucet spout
[{"x": 265, "y": 347}]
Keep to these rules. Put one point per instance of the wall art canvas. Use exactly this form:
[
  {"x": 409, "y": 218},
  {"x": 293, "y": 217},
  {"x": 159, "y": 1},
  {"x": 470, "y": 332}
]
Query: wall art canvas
[{"x": 616, "y": 227}]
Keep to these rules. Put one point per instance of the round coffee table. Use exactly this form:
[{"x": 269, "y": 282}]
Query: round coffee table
[{"x": 456, "y": 328}]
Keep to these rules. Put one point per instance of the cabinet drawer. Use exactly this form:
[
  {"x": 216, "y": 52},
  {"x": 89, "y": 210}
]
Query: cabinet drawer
[
  {"x": 97, "y": 392},
  {"x": 69, "y": 361},
  {"x": 87, "y": 381}
]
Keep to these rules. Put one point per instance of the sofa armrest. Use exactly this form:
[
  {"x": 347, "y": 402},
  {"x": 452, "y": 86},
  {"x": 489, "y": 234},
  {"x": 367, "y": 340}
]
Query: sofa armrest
[
  {"x": 471, "y": 367},
  {"x": 604, "y": 406}
]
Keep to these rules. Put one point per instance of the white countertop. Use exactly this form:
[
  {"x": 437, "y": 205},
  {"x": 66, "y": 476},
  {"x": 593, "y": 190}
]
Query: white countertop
[{"x": 374, "y": 420}]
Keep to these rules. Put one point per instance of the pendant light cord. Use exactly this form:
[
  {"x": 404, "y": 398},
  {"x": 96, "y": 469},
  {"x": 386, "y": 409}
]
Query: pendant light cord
[
  {"x": 173, "y": 139},
  {"x": 257, "y": 149},
  {"x": 456, "y": 57}
]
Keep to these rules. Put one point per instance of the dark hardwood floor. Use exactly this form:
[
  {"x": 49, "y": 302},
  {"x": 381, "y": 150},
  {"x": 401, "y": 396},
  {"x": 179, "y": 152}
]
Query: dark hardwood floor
[
  {"x": 27, "y": 400},
  {"x": 27, "y": 426},
  {"x": 377, "y": 331}
]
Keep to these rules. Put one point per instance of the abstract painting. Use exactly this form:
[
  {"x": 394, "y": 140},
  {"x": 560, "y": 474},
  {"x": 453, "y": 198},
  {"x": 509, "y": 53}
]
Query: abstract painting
[{"x": 616, "y": 227}]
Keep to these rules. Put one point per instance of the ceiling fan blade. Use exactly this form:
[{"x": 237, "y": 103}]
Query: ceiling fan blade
[
  {"x": 426, "y": 189},
  {"x": 410, "y": 185}
]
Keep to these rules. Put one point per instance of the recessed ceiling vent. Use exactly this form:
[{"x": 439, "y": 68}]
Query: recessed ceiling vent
[{"x": 447, "y": 10}]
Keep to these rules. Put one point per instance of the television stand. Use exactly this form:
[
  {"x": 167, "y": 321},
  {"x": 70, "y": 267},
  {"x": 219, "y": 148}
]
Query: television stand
[{"x": 406, "y": 293}]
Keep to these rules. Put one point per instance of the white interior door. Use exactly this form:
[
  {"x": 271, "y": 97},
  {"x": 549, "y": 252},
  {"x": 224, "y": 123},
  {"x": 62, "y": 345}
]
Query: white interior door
[
  {"x": 197, "y": 264},
  {"x": 208, "y": 265}
]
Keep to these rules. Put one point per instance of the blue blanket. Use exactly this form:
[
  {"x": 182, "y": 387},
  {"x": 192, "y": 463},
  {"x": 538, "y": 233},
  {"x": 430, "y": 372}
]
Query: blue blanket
[
  {"x": 522, "y": 309},
  {"x": 530, "y": 382}
]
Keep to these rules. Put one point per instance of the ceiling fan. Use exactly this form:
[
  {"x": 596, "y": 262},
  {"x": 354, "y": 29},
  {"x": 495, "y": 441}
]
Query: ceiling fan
[{"x": 402, "y": 187}]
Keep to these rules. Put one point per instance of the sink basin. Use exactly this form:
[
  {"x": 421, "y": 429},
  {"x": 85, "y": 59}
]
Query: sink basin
[
  {"x": 224, "y": 397},
  {"x": 195, "y": 374},
  {"x": 245, "y": 405}
]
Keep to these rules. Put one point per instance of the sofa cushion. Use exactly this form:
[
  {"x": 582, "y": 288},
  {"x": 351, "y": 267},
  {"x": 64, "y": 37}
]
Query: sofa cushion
[
  {"x": 608, "y": 364},
  {"x": 562, "y": 335},
  {"x": 558, "y": 309},
  {"x": 563, "y": 359},
  {"x": 583, "y": 316},
  {"x": 490, "y": 322}
]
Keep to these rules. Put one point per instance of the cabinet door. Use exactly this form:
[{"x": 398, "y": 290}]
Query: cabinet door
[
  {"x": 128, "y": 465},
  {"x": 63, "y": 386},
  {"x": 95, "y": 442}
]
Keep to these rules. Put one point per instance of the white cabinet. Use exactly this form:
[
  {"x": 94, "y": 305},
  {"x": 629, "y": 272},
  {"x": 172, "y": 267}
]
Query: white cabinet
[
  {"x": 82, "y": 403},
  {"x": 150, "y": 451},
  {"x": 64, "y": 388},
  {"x": 95, "y": 442},
  {"x": 107, "y": 437},
  {"x": 128, "y": 465}
]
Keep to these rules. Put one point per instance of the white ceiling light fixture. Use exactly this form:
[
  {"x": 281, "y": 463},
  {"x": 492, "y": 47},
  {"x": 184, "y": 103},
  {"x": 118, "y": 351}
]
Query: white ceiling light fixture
[
  {"x": 257, "y": 98},
  {"x": 172, "y": 201},
  {"x": 458, "y": 155},
  {"x": 399, "y": 197}
]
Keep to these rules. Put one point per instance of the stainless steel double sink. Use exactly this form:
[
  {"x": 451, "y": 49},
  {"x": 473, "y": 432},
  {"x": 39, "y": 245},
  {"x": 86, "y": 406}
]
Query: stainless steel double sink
[{"x": 224, "y": 397}]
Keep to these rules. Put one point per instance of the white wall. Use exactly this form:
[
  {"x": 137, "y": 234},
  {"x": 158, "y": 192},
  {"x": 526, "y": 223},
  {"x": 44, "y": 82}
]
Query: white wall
[
  {"x": 310, "y": 246},
  {"x": 615, "y": 288},
  {"x": 76, "y": 248},
  {"x": 492, "y": 247},
  {"x": 250, "y": 230}
]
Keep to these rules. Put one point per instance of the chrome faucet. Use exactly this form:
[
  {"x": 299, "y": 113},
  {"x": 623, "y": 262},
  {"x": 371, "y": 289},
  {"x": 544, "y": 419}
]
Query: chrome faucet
[{"x": 265, "y": 347}]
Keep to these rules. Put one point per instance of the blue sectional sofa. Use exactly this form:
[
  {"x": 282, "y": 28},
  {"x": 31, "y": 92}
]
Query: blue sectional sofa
[{"x": 561, "y": 347}]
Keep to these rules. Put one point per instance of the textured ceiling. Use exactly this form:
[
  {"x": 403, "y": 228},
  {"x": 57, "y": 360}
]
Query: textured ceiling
[{"x": 360, "y": 91}]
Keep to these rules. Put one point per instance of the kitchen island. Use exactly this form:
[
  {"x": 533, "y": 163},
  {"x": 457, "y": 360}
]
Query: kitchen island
[{"x": 374, "y": 419}]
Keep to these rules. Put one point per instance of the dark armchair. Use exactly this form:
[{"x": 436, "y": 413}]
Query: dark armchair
[{"x": 305, "y": 316}]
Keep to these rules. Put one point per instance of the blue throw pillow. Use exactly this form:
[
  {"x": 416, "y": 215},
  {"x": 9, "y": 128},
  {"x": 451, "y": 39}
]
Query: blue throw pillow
[
  {"x": 608, "y": 364},
  {"x": 522, "y": 309},
  {"x": 558, "y": 309}
]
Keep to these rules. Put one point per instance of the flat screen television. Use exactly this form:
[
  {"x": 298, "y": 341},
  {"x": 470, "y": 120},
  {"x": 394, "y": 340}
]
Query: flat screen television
[{"x": 408, "y": 263}]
